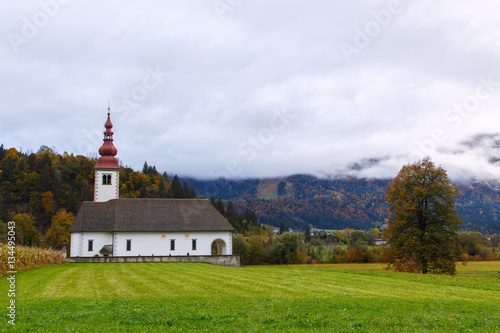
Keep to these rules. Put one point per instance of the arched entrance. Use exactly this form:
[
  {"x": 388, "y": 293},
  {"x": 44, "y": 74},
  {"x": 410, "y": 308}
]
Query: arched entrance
[{"x": 218, "y": 247}]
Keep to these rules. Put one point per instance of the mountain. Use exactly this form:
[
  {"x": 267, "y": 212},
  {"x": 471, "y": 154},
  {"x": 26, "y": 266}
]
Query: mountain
[
  {"x": 301, "y": 200},
  {"x": 41, "y": 183}
]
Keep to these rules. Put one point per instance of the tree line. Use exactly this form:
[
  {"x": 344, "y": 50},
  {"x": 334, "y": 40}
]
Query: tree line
[{"x": 343, "y": 246}]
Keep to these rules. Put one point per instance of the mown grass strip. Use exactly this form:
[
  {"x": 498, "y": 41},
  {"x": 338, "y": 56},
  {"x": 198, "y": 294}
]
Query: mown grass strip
[
  {"x": 254, "y": 314},
  {"x": 131, "y": 297},
  {"x": 203, "y": 280}
]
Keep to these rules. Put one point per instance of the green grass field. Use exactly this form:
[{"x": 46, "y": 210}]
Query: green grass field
[{"x": 140, "y": 297}]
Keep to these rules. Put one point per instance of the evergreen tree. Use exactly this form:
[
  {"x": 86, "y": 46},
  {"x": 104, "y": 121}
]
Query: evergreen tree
[
  {"x": 145, "y": 168},
  {"x": 233, "y": 217},
  {"x": 186, "y": 190},
  {"x": 2, "y": 152},
  {"x": 165, "y": 177},
  {"x": 250, "y": 217},
  {"x": 176, "y": 189},
  {"x": 143, "y": 192},
  {"x": 194, "y": 195},
  {"x": 152, "y": 170},
  {"x": 282, "y": 228},
  {"x": 220, "y": 207},
  {"x": 162, "y": 191},
  {"x": 307, "y": 234}
]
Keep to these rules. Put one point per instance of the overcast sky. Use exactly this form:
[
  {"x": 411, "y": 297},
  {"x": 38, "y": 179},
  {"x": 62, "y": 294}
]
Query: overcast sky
[{"x": 241, "y": 88}]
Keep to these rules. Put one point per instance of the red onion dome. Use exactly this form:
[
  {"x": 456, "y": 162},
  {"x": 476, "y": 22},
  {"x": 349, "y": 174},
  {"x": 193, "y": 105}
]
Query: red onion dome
[{"x": 108, "y": 151}]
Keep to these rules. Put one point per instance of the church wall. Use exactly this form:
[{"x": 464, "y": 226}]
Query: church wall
[
  {"x": 158, "y": 243},
  {"x": 76, "y": 244},
  {"x": 80, "y": 243}
]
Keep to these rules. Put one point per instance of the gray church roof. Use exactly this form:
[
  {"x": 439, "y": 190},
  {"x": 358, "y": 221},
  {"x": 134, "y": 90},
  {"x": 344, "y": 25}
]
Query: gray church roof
[{"x": 149, "y": 215}]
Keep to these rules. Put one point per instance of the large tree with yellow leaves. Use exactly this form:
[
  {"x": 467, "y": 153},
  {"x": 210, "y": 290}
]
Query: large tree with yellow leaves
[{"x": 422, "y": 230}]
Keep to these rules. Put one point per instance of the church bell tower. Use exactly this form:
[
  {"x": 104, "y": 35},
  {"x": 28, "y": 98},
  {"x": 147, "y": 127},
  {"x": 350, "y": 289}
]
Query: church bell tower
[{"x": 107, "y": 168}]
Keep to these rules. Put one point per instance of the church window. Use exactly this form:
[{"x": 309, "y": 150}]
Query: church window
[
  {"x": 129, "y": 244},
  {"x": 91, "y": 245},
  {"x": 172, "y": 245},
  {"x": 106, "y": 179},
  {"x": 194, "y": 244}
]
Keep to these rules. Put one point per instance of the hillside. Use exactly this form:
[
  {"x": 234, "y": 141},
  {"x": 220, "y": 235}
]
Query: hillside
[
  {"x": 355, "y": 203},
  {"x": 41, "y": 183}
]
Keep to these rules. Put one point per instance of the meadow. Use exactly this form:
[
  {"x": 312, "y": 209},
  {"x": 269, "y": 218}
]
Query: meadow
[{"x": 140, "y": 297}]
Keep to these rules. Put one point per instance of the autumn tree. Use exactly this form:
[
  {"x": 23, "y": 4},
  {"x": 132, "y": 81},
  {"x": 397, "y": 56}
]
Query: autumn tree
[
  {"x": 48, "y": 209},
  {"x": 26, "y": 233},
  {"x": 239, "y": 245},
  {"x": 422, "y": 230},
  {"x": 58, "y": 234},
  {"x": 372, "y": 235},
  {"x": 495, "y": 243},
  {"x": 284, "y": 249},
  {"x": 254, "y": 254},
  {"x": 472, "y": 244}
]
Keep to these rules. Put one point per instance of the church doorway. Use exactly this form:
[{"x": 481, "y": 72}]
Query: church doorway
[{"x": 218, "y": 247}]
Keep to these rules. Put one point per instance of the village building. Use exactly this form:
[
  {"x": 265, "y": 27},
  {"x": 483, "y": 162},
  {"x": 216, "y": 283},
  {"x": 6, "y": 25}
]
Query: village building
[{"x": 175, "y": 229}]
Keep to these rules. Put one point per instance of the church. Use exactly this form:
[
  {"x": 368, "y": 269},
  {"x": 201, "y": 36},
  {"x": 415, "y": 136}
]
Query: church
[{"x": 158, "y": 229}]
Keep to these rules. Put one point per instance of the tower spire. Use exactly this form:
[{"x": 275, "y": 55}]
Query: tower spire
[
  {"x": 108, "y": 151},
  {"x": 107, "y": 168}
]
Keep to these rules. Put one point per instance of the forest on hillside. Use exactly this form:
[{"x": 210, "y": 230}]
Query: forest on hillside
[
  {"x": 42, "y": 183},
  {"x": 43, "y": 191},
  {"x": 299, "y": 201},
  {"x": 46, "y": 183}
]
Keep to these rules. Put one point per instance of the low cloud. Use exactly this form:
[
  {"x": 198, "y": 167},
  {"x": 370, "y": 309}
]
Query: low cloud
[{"x": 390, "y": 104}]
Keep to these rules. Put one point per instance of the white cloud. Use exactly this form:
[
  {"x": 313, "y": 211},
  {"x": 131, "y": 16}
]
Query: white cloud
[{"x": 226, "y": 78}]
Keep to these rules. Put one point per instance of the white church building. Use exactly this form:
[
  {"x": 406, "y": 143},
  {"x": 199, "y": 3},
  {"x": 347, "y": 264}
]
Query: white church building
[{"x": 112, "y": 227}]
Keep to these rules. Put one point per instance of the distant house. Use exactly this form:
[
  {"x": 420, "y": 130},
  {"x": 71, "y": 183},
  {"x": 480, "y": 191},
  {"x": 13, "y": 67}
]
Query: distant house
[
  {"x": 110, "y": 226},
  {"x": 380, "y": 242}
]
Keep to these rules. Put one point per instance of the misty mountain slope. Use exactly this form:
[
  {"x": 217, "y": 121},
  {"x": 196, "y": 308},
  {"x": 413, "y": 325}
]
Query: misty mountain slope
[{"x": 299, "y": 200}]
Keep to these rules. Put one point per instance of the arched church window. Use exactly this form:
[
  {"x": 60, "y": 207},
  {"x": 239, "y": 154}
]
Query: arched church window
[{"x": 106, "y": 179}]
